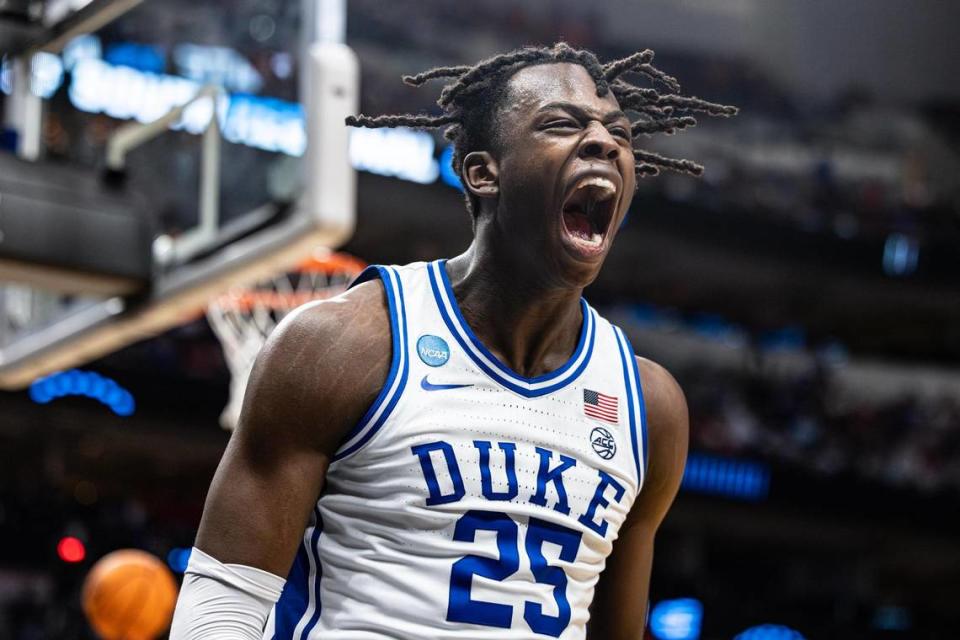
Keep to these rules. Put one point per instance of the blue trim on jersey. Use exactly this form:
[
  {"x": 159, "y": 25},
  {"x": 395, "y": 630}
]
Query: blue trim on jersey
[
  {"x": 317, "y": 607},
  {"x": 295, "y": 599},
  {"x": 622, "y": 345},
  {"x": 390, "y": 394},
  {"x": 527, "y": 387},
  {"x": 643, "y": 406},
  {"x": 371, "y": 272}
]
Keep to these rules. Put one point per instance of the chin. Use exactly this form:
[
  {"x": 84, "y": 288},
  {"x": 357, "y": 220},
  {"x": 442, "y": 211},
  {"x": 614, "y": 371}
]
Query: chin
[{"x": 579, "y": 266}]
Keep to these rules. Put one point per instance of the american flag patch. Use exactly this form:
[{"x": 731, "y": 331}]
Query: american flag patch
[{"x": 600, "y": 406}]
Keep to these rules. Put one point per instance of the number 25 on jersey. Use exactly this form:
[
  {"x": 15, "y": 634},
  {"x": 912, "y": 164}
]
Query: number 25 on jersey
[{"x": 462, "y": 608}]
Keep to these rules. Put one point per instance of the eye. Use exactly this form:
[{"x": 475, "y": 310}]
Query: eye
[
  {"x": 620, "y": 132},
  {"x": 564, "y": 123}
]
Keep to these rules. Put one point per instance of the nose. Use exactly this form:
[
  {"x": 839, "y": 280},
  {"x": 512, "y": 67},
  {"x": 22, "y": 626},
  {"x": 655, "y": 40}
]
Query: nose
[{"x": 598, "y": 143}]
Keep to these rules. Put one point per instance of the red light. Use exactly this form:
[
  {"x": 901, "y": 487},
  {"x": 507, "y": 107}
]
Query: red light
[{"x": 70, "y": 549}]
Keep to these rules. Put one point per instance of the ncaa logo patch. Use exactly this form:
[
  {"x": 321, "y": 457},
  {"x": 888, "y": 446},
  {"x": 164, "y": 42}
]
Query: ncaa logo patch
[
  {"x": 603, "y": 443},
  {"x": 433, "y": 350}
]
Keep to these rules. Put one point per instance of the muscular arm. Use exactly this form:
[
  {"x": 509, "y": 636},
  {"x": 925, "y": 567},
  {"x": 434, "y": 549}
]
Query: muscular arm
[
  {"x": 317, "y": 374},
  {"x": 620, "y": 602}
]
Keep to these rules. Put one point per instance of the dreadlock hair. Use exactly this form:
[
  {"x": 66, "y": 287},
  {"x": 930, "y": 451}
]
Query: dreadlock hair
[{"x": 471, "y": 101}]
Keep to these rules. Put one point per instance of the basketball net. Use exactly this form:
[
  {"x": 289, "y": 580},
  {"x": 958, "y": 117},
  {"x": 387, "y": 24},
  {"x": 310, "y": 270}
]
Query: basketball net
[{"x": 242, "y": 318}]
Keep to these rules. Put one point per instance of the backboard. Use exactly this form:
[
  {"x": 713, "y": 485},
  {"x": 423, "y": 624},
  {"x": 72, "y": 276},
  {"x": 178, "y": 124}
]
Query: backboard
[{"x": 86, "y": 269}]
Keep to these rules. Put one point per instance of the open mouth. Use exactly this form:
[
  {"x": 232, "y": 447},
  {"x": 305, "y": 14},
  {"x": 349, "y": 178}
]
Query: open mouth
[{"x": 588, "y": 210}]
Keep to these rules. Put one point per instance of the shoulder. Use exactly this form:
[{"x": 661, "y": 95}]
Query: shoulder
[
  {"x": 351, "y": 324},
  {"x": 665, "y": 402},
  {"x": 321, "y": 368},
  {"x": 667, "y": 425}
]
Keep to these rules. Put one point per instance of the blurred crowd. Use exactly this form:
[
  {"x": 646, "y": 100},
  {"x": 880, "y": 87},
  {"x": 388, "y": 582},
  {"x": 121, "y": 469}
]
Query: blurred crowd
[
  {"x": 821, "y": 173},
  {"x": 909, "y": 441}
]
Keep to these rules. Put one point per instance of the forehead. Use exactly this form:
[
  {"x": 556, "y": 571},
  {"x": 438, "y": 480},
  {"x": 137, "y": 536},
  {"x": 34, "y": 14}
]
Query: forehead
[{"x": 533, "y": 87}]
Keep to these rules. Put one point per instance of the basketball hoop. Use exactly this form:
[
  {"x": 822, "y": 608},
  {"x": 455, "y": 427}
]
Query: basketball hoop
[{"x": 242, "y": 318}]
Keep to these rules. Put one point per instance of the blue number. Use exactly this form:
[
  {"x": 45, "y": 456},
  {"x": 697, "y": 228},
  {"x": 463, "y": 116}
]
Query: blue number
[
  {"x": 461, "y": 608},
  {"x": 539, "y": 532}
]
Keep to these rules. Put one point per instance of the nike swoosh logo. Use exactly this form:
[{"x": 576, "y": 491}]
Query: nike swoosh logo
[{"x": 426, "y": 385}]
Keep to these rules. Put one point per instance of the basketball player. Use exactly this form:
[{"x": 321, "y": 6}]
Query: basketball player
[{"x": 464, "y": 448}]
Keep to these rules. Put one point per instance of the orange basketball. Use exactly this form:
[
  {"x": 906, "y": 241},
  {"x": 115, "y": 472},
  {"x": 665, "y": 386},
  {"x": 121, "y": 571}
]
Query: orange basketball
[{"x": 129, "y": 595}]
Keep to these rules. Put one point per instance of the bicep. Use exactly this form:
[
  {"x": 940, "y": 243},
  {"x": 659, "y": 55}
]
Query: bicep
[
  {"x": 259, "y": 502},
  {"x": 620, "y": 602},
  {"x": 300, "y": 401}
]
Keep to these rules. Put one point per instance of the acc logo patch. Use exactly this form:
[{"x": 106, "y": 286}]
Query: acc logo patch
[
  {"x": 603, "y": 443},
  {"x": 433, "y": 350}
]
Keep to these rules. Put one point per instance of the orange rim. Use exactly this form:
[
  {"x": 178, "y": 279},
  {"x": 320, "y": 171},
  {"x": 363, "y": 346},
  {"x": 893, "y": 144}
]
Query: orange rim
[
  {"x": 327, "y": 263},
  {"x": 331, "y": 263}
]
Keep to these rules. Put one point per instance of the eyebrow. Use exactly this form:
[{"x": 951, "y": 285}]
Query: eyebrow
[{"x": 583, "y": 114}]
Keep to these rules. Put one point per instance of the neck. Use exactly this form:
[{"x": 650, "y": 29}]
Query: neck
[{"x": 529, "y": 324}]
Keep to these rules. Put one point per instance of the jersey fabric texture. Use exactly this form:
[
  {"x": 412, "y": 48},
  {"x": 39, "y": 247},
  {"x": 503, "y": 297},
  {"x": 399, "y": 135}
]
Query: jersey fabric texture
[{"x": 470, "y": 502}]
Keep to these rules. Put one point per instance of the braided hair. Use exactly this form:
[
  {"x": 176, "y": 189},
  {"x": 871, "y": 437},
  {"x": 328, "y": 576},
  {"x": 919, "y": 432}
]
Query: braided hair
[{"x": 470, "y": 102}]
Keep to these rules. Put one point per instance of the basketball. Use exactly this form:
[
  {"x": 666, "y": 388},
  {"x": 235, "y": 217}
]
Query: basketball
[{"x": 129, "y": 595}]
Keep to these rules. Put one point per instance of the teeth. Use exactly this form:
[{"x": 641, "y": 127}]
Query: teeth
[
  {"x": 594, "y": 240},
  {"x": 606, "y": 186}
]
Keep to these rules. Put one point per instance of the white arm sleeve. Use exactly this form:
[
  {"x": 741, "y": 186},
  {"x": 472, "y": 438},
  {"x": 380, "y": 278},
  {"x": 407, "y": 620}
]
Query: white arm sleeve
[{"x": 223, "y": 601}]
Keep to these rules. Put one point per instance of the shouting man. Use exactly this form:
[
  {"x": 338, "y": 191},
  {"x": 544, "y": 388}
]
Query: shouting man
[{"x": 465, "y": 448}]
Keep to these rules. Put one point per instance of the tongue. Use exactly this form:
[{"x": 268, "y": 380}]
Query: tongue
[{"x": 578, "y": 224}]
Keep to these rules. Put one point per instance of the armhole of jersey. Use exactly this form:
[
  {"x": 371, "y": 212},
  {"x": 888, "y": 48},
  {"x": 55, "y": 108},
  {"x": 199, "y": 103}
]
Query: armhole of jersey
[
  {"x": 636, "y": 409},
  {"x": 386, "y": 400}
]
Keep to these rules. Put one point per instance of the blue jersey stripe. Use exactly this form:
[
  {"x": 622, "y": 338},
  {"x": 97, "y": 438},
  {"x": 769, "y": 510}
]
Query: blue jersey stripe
[
  {"x": 362, "y": 433},
  {"x": 588, "y": 335},
  {"x": 293, "y": 600},
  {"x": 642, "y": 417},
  {"x": 295, "y": 597},
  {"x": 318, "y": 575},
  {"x": 623, "y": 346},
  {"x": 371, "y": 272}
]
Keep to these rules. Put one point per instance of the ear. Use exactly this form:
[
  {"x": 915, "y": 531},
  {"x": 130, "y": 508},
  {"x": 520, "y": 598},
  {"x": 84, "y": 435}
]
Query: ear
[{"x": 481, "y": 174}]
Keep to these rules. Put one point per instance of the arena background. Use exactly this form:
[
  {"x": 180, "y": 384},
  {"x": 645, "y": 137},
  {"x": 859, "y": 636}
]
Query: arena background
[{"x": 805, "y": 292}]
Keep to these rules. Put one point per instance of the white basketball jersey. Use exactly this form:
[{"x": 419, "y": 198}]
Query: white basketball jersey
[{"x": 470, "y": 502}]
